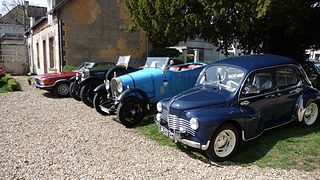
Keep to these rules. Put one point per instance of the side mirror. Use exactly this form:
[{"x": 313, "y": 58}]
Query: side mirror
[{"x": 250, "y": 89}]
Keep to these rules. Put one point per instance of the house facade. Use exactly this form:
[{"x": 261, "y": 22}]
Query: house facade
[
  {"x": 75, "y": 31},
  {"x": 13, "y": 49}
]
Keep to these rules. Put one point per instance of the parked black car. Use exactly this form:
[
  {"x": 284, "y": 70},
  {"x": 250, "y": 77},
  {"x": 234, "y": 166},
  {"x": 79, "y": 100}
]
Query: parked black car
[
  {"x": 312, "y": 68},
  {"x": 84, "y": 83}
]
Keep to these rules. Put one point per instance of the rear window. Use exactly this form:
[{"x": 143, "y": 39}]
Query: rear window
[{"x": 286, "y": 77}]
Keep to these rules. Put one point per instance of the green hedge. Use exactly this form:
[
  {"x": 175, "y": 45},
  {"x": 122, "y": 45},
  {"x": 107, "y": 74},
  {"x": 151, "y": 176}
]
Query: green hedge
[
  {"x": 9, "y": 84},
  {"x": 68, "y": 68}
]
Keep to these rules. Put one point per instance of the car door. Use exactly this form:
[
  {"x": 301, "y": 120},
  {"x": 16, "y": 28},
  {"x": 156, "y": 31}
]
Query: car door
[
  {"x": 289, "y": 85},
  {"x": 179, "y": 81},
  {"x": 258, "y": 94}
]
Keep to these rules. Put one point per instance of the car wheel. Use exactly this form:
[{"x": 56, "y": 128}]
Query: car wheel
[
  {"x": 73, "y": 93},
  {"x": 224, "y": 143},
  {"x": 99, "y": 98},
  {"x": 87, "y": 93},
  {"x": 61, "y": 89},
  {"x": 131, "y": 111},
  {"x": 311, "y": 114}
]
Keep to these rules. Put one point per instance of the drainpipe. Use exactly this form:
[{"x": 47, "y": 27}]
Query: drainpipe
[{"x": 60, "y": 36}]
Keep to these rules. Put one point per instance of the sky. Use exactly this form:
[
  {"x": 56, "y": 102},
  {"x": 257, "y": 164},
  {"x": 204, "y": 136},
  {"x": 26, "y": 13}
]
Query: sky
[{"x": 42, "y": 3}]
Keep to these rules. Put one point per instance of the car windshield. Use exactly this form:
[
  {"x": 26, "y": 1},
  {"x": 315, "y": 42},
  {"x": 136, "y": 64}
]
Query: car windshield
[
  {"x": 156, "y": 62},
  {"x": 223, "y": 77},
  {"x": 85, "y": 65}
]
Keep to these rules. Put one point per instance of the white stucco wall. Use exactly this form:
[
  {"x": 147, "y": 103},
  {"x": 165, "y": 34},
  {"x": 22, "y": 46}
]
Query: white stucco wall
[{"x": 45, "y": 34}]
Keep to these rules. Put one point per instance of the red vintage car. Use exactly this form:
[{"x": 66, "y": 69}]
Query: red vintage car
[
  {"x": 2, "y": 73},
  {"x": 58, "y": 83}
]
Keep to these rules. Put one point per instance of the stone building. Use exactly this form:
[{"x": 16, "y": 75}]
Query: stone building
[
  {"x": 75, "y": 31},
  {"x": 13, "y": 50}
]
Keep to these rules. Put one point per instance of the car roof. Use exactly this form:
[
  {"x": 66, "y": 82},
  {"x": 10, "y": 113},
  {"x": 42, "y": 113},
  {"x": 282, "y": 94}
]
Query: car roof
[{"x": 253, "y": 62}]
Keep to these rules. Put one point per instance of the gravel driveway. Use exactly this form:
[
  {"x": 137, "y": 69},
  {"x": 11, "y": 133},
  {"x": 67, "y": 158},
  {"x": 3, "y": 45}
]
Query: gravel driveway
[{"x": 43, "y": 138}]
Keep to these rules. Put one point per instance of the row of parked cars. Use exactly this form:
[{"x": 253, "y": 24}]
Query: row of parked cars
[{"x": 213, "y": 107}]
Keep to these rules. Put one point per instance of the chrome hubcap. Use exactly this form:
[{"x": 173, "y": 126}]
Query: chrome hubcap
[
  {"x": 311, "y": 114},
  {"x": 225, "y": 143},
  {"x": 63, "y": 89}
]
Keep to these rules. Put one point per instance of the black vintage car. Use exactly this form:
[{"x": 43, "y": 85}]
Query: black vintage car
[
  {"x": 83, "y": 84},
  {"x": 312, "y": 68}
]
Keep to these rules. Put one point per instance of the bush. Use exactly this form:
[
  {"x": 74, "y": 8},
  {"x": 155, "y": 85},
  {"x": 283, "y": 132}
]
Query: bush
[
  {"x": 68, "y": 68},
  {"x": 9, "y": 84}
]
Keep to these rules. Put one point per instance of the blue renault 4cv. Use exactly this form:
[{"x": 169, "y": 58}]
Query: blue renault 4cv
[
  {"x": 236, "y": 100},
  {"x": 133, "y": 93}
]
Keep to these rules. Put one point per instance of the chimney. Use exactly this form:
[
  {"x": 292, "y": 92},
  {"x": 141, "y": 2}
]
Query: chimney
[
  {"x": 26, "y": 3},
  {"x": 32, "y": 21}
]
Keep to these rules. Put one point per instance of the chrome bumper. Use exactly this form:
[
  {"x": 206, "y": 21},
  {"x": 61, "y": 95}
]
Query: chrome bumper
[{"x": 177, "y": 138}]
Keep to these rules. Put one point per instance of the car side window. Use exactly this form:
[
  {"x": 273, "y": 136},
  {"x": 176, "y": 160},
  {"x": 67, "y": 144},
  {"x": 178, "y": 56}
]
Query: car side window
[
  {"x": 258, "y": 83},
  {"x": 286, "y": 77}
]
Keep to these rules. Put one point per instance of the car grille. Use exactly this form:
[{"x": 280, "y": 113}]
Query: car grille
[
  {"x": 114, "y": 90},
  {"x": 175, "y": 123}
]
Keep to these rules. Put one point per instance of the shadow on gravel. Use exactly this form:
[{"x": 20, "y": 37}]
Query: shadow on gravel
[
  {"x": 52, "y": 96},
  {"x": 288, "y": 147}
]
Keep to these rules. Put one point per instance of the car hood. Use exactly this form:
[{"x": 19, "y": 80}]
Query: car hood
[
  {"x": 200, "y": 97},
  {"x": 142, "y": 79},
  {"x": 56, "y": 75}
]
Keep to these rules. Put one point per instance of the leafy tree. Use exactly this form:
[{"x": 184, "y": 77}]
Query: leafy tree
[
  {"x": 285, "y": 27},
  {"x": 166, "y": 22}
]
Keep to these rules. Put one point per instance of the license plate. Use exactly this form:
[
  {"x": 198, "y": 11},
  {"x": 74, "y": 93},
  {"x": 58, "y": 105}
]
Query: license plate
[{"x": 166, "y": 132}]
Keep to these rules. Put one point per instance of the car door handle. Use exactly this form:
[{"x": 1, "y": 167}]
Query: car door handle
[
  {"x": 270, "y": 96},
  {"x": 295, "y": 91}
]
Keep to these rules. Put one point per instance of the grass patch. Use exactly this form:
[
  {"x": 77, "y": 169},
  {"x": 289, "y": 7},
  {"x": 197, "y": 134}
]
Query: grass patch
[
  {"x": 9, "y": 84},
  {"x": 287, "y": 147}
]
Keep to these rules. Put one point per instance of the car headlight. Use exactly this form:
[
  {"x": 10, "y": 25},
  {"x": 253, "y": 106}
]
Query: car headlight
[
  {"x": 119, "y": 86},
  {"x": 107, "y": 84},
  {"x": 85, "y": 73},
  {"x": 159, "y": 107},
  {"x": 194, "y": 124},
  {"x": 78, "y": 76}
]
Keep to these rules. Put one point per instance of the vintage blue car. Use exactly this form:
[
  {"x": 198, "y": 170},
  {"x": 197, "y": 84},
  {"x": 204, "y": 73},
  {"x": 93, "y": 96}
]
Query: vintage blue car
[
  {"x": 236, "y": 100},
  {"x": 131, "y": 94}
]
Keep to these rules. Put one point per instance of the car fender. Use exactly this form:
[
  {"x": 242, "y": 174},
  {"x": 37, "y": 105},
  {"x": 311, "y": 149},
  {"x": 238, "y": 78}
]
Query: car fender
[
  {"x": 100, "y": 88},
  {"x": 72, "y": 79},
  {"x": 91, "y": 78},
  {"x": 242, "y": 118},
  {"x": 136, "y": 92},
  {"x": 61, "y": 81},
  {"x": 304, "y": 99}
]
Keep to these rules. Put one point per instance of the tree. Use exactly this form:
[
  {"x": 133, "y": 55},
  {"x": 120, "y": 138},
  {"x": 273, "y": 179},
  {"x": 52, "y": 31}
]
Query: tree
[
  {"x": 286, "y": 27},
  {"x": 166, "y": 22}
]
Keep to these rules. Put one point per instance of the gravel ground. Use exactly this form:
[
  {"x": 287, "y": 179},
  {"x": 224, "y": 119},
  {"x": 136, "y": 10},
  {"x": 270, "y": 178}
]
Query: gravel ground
[{"x": 42, "y": 137}]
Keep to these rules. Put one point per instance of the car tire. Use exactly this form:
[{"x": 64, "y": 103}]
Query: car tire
[
  {"x": 98, "y": 99},
  {"x": 311, "y": 114},
  {"x": 61, "y": 89},
  {"x": 224, "y": 143},
  {"x": 131, "y": 111},
  {"x": 73, "y": 93},
  {"x": 87, "y": 93}
]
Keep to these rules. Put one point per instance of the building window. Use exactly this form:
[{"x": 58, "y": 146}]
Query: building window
[
  {"x": 38, "y": 55},
  {"x": 51, "y": 52},
  {"x": 44, "y": 53}
]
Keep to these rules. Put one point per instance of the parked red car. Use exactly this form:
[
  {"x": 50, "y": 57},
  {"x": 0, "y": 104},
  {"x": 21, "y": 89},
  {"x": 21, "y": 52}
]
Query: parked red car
[
  {"x": 2, "y": 73},
  {"x": 58, "y": 83}
]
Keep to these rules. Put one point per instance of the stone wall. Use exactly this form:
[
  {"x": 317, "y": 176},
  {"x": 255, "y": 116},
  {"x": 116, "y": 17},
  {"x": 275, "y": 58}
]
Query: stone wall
[{"x": 96, "y": 30}]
